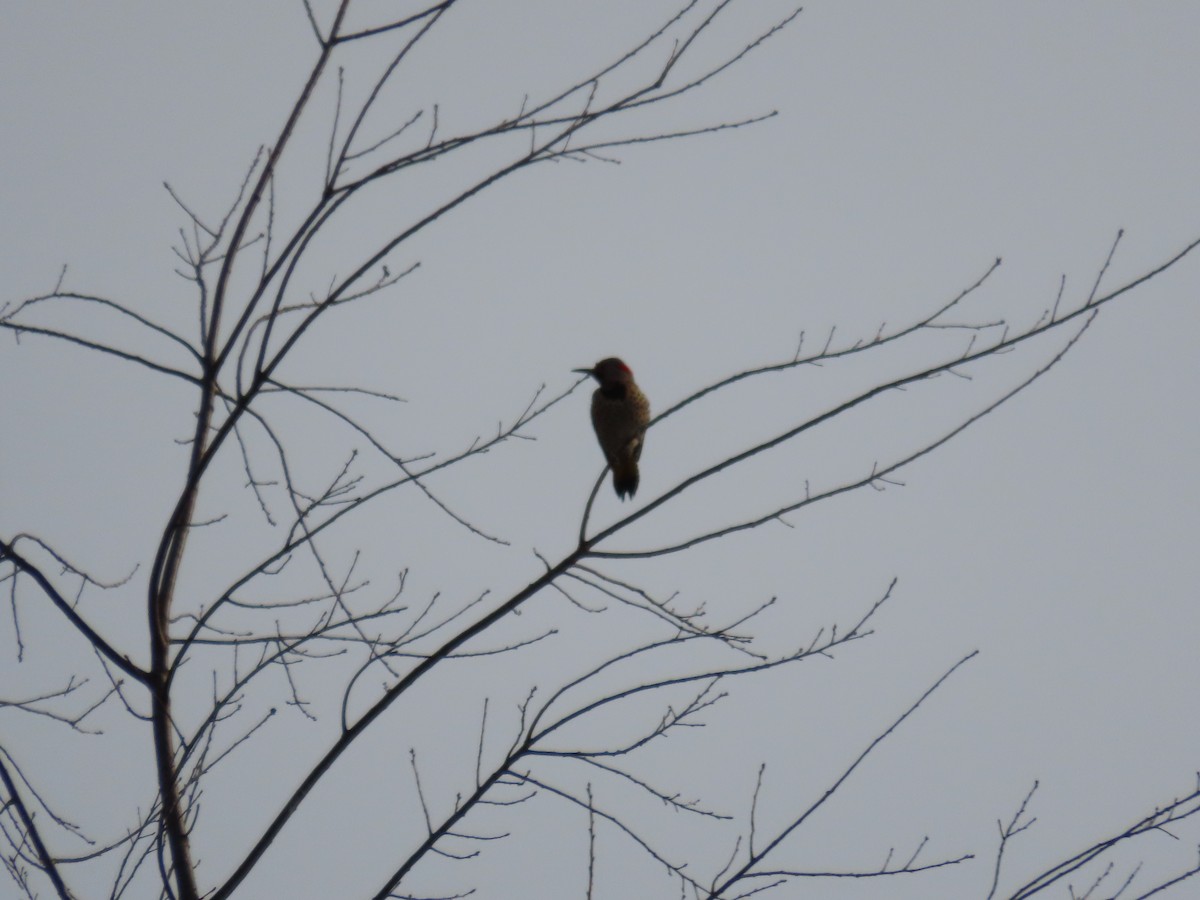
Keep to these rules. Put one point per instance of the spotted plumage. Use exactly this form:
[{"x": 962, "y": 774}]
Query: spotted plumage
[{"x": 620, "y": 413}]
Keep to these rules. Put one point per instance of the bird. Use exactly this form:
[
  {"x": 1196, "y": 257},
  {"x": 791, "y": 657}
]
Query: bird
[{"x": 620, "y": 414}]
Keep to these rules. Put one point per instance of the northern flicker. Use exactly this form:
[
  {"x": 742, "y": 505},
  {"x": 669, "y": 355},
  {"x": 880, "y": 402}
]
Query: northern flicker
[{"x": 620, "y": 413}]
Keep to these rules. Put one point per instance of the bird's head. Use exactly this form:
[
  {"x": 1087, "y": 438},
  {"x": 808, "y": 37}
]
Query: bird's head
[{"x": 609, "y": 371}]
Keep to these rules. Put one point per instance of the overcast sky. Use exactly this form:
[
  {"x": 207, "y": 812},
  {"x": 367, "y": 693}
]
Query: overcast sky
[{"x": 914, "y": 144}]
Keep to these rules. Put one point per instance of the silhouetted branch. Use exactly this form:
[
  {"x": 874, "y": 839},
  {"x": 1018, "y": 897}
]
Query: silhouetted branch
[
  {"x": 44, "y": 860},
  {"x": 749, "y": 868},
  {"x": 1088, "y": 311},
  {"x": 1016, "y": 825},
  {"x": 8, "y": 552},
  {"x": 255, "y": 303},
  {"x": 1177, "y": 810}
]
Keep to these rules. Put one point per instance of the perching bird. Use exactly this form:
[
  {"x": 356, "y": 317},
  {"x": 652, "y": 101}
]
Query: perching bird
[{"x": 620, "y": 413}]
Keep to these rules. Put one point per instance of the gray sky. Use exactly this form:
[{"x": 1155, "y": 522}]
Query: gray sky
[{"x": 915, "y": 143}]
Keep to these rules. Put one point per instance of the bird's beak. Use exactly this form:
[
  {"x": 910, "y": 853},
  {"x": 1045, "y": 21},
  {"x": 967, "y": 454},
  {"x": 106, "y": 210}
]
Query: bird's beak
[{"x": 583, "y": 371}]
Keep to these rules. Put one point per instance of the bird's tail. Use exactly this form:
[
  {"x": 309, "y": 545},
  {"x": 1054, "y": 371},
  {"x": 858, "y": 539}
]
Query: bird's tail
[{"x": 625, "y": 479}]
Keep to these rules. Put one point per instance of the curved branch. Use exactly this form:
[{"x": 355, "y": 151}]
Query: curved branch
[
  {"x": 876, "y": 474},
  {"x": 103, "y": 348},
  {"x": 1004, "y": 343},
  {"x": 122, "y": 662},
  {"x": 59, "y": 294}
]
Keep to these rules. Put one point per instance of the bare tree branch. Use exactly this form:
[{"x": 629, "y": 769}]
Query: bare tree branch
[
  {"x": 122, "y": 662},
  {"x": 45, "y": 860}
]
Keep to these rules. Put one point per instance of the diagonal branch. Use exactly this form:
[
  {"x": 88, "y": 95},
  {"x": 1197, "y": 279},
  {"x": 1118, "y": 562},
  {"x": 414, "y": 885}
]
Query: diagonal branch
[
  {"x": 875, "y": 475},
  {"x": 19, "y": 329},
  {"x": 47, "y": 862},
  {"x": 757, "y": 857},
  {"x": 122, "y": 662},
  {"x": 1177, "y": 810},
  {"x": 350, "y": 734},
  {"x": 1087, "y": 311}
]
